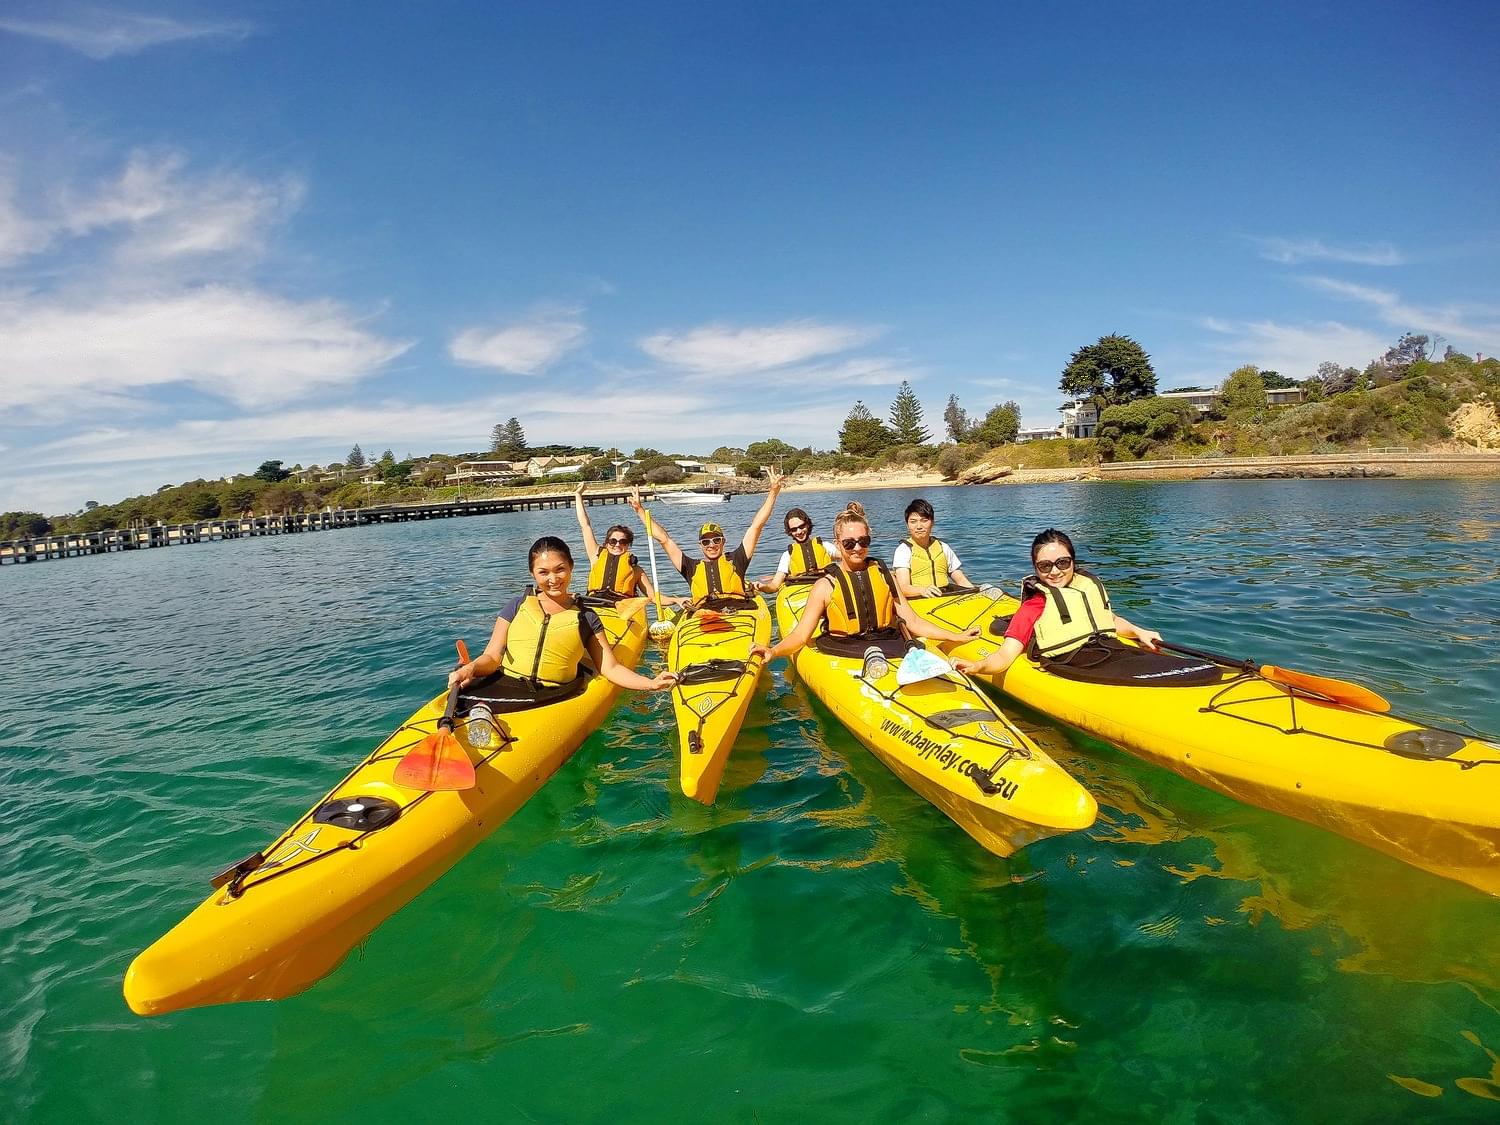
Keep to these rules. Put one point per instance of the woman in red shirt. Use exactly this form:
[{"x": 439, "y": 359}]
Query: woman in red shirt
[{"x": 1052, "y": 558}]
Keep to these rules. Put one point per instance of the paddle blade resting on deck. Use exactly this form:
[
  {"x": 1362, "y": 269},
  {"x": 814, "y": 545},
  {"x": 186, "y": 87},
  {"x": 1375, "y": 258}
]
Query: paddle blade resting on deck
[
  {"x": 1340, "y": 691},
  {"x": 438, "y": 762}
]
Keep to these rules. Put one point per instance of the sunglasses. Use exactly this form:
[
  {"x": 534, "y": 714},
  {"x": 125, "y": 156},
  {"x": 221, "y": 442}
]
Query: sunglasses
[
  {"x": 798, "y": 528},
  {"x": 1045, "y": 567},
  {"x": 617, "y": 542},
  {"x": 849, "y": 544},
  {"x": 711, "y": 540}
]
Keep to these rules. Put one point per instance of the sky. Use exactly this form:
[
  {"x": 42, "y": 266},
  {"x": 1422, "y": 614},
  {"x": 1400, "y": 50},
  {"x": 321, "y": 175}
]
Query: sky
[{"x": 238, "y": 232}]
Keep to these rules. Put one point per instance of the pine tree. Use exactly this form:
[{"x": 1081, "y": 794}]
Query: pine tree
[
  {"x": 356, "y": 458},
  {"x": 956, "y": 419},
  {"x": 497, "y": 437},
  {"x": 906, "y": 417},
  {"x": 508, "y": 440},
  {"x": 863, "y": 433},
  {"x": 1109, "y": 372}
]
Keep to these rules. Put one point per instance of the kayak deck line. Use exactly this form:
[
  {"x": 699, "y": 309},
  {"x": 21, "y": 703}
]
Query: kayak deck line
[
  {"x": 347, "y": 864},
  {"x": 1370, "y": 776}
]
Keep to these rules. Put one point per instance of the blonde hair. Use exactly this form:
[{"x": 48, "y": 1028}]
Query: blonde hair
[{"x": 854, "y": 512}]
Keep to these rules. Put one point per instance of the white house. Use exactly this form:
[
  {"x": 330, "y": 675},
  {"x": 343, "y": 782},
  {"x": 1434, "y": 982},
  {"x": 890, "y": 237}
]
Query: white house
[{"x": 1079, "y": 419}]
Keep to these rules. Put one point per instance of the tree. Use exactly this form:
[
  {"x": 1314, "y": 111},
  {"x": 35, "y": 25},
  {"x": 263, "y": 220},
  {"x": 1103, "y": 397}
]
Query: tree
[
  {"x": 956, "y": 420},
  {"x": 1000, "y": 425},
  {"x": 1126, "y": 432},
  {"x": 356, "y": 458},
  {"x": 1111, "y": 371},
  {"x": 772, "y": 451},
  {"x": 727, "y": 454},
  {"x": 90, "y": 505},
  {"x": 1336, "y": 378},
  {"x": 1405, "y": 352},
  {"x": 1244, "y": 394},
  {"x": 747, "y": 468},
  {"x": 863, "y": 433},
  {"x": 271, "y": 471},
  {"x": 906, "y": 417},
  {"x": 1275, "y": 380},
  {"x": 17, "y": 525},
  {"x": 508, "y": 441}
]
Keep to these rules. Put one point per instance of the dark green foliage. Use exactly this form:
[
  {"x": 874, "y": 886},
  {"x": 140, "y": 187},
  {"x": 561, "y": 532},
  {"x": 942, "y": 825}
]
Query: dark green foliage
[
  {"x": 508, "y": 440},
  {"x": 356, "y": 458},
  {"x": 864, "y": 434},
  {"x": 21, "y": 525},
  {"x": 1243, "y": 396},
  {"x": 655, "y": 468},
  {"x": 271, "y": 471},
  {"x": 906, "y": 417},
  {"x": 664, "y": 474},
  {"x": 772, "y": 451},
  {"x": 1000, "y": 425},
  {"x": 956, "y": 420},
  {"x": 747, "y": 468},
  {"x": 1111, "y": 371},
  {"x": 1127, "y": 431},
  {"x": 1275, "y": 381}
]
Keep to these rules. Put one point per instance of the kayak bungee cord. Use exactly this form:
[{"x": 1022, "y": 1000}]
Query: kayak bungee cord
[
  {"x": 1421, "y": 747},
  {"x": 712, "y": 670}
]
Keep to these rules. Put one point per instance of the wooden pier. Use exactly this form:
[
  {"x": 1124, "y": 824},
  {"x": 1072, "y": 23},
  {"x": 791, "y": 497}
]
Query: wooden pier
[{"x": 77, "y": 544}]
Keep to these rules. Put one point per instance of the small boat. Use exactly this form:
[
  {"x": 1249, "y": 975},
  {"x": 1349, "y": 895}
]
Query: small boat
[
  {"x": 946, "y": 740},
  {"x": 710, "y": 652},
  {"x": 284, "y": 918},
  {"x": 1428, "y": 796},
  {"x": 692, "y": 497}
]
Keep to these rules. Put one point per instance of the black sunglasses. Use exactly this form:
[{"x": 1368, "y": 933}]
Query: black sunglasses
[
  {"x": 794, "y": 528},
  {"x": 616, "y": 541},
  {"x": 1046, "y": 566},
  {"x": 850, "y": 544}
]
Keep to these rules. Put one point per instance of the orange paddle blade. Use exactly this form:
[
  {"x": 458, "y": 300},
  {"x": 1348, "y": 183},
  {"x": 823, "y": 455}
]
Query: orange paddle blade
[
  {"x": 626, "y": 608},
  {"x": 1340, "y": 691},
  {"x": 438, "y": 763}
]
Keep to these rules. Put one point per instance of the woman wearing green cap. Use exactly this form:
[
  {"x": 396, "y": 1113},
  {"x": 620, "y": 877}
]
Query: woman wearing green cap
[{"x": 718, "y": 575}]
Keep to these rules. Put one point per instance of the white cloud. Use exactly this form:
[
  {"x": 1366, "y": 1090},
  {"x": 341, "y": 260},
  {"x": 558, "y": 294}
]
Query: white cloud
[
  {"x": 1473, "y": 326},
  {"x": 1291, "y": 251},
  {"x": 1295, "y": 350},
  {"x": 244, "y": 345},
  {"x": 101, "y": 34},
  {"x": 524, "y": 348},
  {"x": 719, "y": 350}
]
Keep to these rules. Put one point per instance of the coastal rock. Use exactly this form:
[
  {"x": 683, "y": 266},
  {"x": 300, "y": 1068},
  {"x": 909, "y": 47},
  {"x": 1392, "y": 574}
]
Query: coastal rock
[
  {"x": 1303, "y": 473},
  {"x": 1476, "y": 424},
  {"x": 984, "y": 473}
]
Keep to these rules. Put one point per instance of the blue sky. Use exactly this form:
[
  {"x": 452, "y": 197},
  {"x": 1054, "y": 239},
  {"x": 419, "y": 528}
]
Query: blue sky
[{"x": 246, "y": 231}]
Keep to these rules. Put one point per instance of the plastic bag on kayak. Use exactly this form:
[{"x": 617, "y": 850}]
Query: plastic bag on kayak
[{"x": 919, "y": 664}]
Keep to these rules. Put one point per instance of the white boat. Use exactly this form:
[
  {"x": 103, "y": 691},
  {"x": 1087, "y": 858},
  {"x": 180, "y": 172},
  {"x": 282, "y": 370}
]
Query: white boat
[{"x": 690, "y": 497}]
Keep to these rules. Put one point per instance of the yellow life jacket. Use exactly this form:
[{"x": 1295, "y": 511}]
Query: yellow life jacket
[
  {"x": 808, "y": 557},
  {"x": 863, "y": 601},
  {"x": 545, "y": 648},
  {"x": 929, "y": 564},
  {"x": 613, "y": 575},
  {"x": 1076, "y": 614},
  {"x": 717, "y": 579}
]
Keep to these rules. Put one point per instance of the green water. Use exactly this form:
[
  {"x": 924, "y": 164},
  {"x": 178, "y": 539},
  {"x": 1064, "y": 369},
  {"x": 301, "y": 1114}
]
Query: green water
[{"x": 820, "y": 945}]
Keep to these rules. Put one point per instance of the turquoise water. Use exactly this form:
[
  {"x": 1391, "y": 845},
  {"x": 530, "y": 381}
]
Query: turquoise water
[{"x": 822, "y": 944}]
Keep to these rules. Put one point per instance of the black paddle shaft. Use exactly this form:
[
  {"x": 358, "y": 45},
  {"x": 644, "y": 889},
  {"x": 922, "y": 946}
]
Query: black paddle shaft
[
  {"x": 451, "y": 709},
  {"x": 1217, "y": 658}
]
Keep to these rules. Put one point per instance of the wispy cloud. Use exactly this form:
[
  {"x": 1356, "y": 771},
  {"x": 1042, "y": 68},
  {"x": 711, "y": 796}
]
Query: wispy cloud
[
  {"x": 101, "y": 34},
  {"x": 1477, "y": 326},
  {"x": 1295, "y": 350},
  {"x": 524, "y": 348},
  {"x": 1293, "y": 251},
  {"x": 720, "y": 350},
  {"x": 242, "y": 345}
]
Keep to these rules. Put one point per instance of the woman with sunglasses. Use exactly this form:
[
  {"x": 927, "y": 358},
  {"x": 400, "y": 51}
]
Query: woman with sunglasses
[
  {"x": 806, "y": 556},
  {"x": 719, "y": 575},
  {"x": 1063, "y": 608},
  {"x": 925, "y": 566},
  {"x": 615, "y": 573},
  {"x": 858, "y": 599}
]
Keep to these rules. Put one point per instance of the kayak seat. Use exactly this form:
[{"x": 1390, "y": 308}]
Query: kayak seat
[
  {"x": 1107, "y": 661},
  {"x": 502, "y": 693},
  {"x": 998, "y": 625},
  {"x": 891, "y": 643},
  {"x": 725, "y": 604}
]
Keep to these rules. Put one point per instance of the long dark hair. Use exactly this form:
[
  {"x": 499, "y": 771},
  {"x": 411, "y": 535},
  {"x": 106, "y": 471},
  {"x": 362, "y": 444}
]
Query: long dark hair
[
  {"x": 1051, "y": 535},
  {"x": 545, "y": 544}
]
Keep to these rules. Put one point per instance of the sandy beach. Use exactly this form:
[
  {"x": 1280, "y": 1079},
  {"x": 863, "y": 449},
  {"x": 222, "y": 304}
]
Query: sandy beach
[{"x": 907, "y": 478}]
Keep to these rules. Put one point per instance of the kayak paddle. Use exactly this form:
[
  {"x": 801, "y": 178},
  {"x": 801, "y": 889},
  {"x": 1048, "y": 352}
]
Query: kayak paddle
[
  {"x": 1339, "y": 691},
  {"x": 660, "y": 630},
  {"x": 438, "y": 762}
]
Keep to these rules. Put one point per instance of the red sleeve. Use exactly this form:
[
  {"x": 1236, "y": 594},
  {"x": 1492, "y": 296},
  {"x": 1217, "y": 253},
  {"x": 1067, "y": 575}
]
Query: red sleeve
[{"x": 1023, "y": 624}]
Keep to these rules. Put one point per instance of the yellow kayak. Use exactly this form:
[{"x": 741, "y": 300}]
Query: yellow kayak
[
  {"x": 284, "y": 918},
  {"x": 710, "y": 652},
  {"x": 1427, "y": 796},
  {"x": 947, "y": 741}
]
